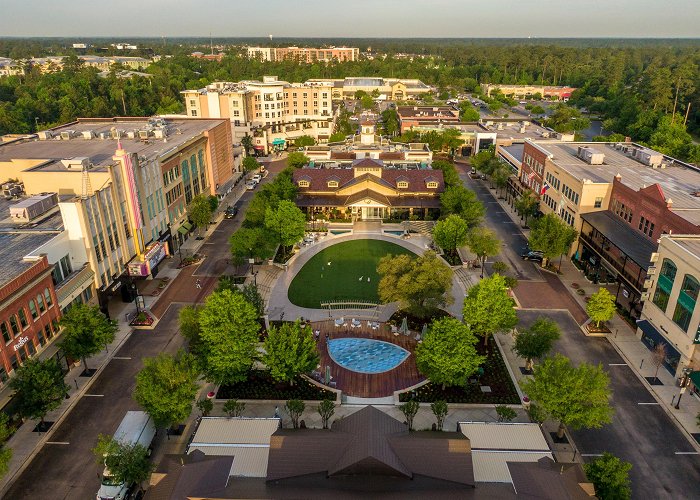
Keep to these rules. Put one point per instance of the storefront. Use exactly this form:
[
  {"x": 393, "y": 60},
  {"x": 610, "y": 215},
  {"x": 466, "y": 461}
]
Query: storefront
[
  {"x": 154, "y": 254},
  {"x": 651, "y": 337}
]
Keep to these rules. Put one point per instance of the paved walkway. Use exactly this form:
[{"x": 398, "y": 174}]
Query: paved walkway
[{"x": 279, "y": 301}]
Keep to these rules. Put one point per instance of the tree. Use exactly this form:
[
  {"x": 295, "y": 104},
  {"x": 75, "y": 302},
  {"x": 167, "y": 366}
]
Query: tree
[
  {"x": 577, "y": 397},
  {"x": 551, "y": 236},
  {"x": 463, "y": 202},
  {"x": 499, "y": 267},
  {"x": 304, "y": 141},
  {"x": 337, "y": 137},
  {"x": 229, "y": 332},
  {"x": 468, "y": 113},
  {"x": 367, "y": 102},
  {"x": 527, "y": 204},
  {"x": 5, "y": 451},
  {"x": 247, "y": 143},
  {"x": 601, "y": 306},
  {"x": 286, "y": 222},
  {"x": 658, "y": 357},
  {"x": 488, "y": 308},
  {"x": 295, "y": 408},
  {"x": 536, "y": 341},
  {"x": 450, "y": 233},
  {"x": 251, "y": 243},
  {"x": 290, "y": 350},
  {"x": 205, "y": 406},
  {"x": 419, "y": 284},
  {"x": 500, "y": 177},
  {"x": 234, "y": 408},
  {"x": 166, "y": 387},
  {"x": 188, "y": 319},
  {"x": 297, "y": 159},
  {"x": 326, "y": 409},
  {"x": 200, "y": 211},
  {"x": 449, "y": 172},
  {"x": 86, "y": 331},
  {"x": 39, "y": 388},
  {"x": 390, "y": 122},
  {"x": 538, "y": 110},
  {"x": 252, "y": 295},
  {"x": 213, "y": 202},
  {"x": 610, "y": 477},
  {"x": 440, "y": 410},
  {"x": 447, "y": 355},
  {"x": 567, "y": 119},
  {"x": 484, "y": 243},
  {"x": 250, "y": 164},
  {"x": 409, "y": 410},
  {"x": 127, "y": 463},
  {"x": 505, "y": 413}
]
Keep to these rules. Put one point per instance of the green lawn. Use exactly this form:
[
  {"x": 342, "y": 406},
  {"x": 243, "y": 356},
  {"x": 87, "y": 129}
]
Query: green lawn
[{"x": 319, "y": 282}]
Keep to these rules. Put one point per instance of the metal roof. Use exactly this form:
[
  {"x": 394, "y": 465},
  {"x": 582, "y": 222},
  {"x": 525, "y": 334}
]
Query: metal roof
[
  {"x": 491, "y": 466},
  {"x": 247, "y": 462},
  {"x": 504, "y": 436},
  {"x": 629, "y": 241}
]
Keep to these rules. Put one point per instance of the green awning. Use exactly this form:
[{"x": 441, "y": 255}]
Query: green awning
[
  {"x": 695, "y": 378},
  {"x": 278, "y": 142},
  {"x": 185, "y": 228}
]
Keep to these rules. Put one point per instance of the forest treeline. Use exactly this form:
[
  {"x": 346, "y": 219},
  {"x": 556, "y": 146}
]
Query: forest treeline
[{"x": 648, "y": 91}]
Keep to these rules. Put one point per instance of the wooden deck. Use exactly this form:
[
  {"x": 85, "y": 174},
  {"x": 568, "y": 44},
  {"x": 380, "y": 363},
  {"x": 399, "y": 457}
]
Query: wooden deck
[{"x": 365, "y": 385}]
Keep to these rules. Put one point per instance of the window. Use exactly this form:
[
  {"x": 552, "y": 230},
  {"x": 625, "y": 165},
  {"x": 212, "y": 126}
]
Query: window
[
  {"x": 686, "y": 302},
  {"x": 14, "y": 325},
  {"x": 598, "y": 203},
  {"x": 193, "y": 112},
  {"x": 47, "y": 331},
  {"x": 303, "y": 184},
  {"x": 32, "y": 309},
  {"x": 23, "y": 318},
  {"x": 40, "y": 301},
  {"x": 193, "y": 102},
  {"x": 31, "y": 348},
  {"x": 332, "y": 184},
  {"x": 432, "y": 185},
  {"x": 402, "y": 184},
  {"x": 5, "y": 333}
]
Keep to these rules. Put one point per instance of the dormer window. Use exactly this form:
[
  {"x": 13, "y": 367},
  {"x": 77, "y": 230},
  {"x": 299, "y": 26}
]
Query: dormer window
[
  {"x": 304, "y": 184},
  {"x": 432, "y": 185},
  {"x": 332, "y": 184},
  {"x": 402, "y": 185}
]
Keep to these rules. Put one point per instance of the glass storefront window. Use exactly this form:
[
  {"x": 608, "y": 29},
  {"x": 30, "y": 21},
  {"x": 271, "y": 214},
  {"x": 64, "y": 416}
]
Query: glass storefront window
[
  {"x": 686, "y": 302},
  {"x": 661, "y": 298}
]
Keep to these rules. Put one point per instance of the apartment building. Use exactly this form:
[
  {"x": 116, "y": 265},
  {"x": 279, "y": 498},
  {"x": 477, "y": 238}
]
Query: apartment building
[
  {"x": 414, "y": 117},
  {"x": 123, "y": 186},
  {"x": 304, "y": 54},
  {"x": 522, "y": 91},
  {"x": 395, "y": 89},
  {"x": 670, "y": 316},
  {"x": 274, "y": 112},
  {"x": 621, "y": 197}
]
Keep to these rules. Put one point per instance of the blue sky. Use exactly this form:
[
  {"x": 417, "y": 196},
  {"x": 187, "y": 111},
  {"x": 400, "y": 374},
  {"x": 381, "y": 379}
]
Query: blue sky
[{"x": 353, "y": 18}]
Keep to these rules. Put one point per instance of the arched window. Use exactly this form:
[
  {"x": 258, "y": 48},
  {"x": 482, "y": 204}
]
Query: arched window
[
  {"x": 47, "y": 296},
  {"x": 686, "y": 302},
  {"x": 40, "y": 301},
  {"x": 664, "y": 284}
]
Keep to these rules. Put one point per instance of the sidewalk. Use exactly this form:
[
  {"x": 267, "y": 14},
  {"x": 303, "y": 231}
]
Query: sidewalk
[
  {"x": 630, "y": 347},
  {"x": 25, "y": 443}
]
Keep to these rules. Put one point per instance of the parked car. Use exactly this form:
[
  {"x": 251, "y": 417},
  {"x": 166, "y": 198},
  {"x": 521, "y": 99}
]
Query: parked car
[
  {"x": 533, "y": 255},
  {"x": 250, "y": 185},
  {"x": 231, "y": 212},
  {"x": 256, "y": 178}
]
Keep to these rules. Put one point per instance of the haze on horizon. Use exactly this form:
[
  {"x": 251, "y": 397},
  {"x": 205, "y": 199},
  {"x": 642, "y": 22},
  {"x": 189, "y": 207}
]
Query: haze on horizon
[{"x": 368, "y": 18}]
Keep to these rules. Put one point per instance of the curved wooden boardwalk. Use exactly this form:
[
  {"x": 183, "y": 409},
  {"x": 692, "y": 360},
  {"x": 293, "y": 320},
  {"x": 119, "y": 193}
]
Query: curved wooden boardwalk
[{"x": 365, "y": 385}]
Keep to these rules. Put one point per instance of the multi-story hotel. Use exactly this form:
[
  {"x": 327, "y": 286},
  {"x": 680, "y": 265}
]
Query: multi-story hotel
[
  {"x": 304, "y": 54},
  {"x": 273, "y": 111},
  {"x": 123, "y": 186},
  {"x": 395, "y": 89}
]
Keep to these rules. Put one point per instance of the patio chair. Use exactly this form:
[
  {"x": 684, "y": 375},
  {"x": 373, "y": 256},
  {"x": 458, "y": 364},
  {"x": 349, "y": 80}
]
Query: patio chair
[{"x": 394, "y": 329}]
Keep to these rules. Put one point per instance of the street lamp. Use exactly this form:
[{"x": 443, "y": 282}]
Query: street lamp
[
  {"x": 135, "y": 293},
  {"x": 685, "y": 380}
]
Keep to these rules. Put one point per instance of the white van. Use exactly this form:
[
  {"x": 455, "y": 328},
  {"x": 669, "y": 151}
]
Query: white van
[{"x": 137, "y": 427}]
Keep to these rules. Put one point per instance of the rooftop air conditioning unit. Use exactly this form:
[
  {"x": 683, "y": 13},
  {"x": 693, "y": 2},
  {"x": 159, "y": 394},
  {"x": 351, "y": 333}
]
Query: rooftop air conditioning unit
[
  {"x": 103, "y": 135},
  {"x": 118, "y": 133},
  {"x": 67, "y": 135},
  {"x": 590, "y": 155},
  {"x": 45, "y": 135},
  {"x": 88, "y": 134},
  {"x": 161, "y": 132},
  {"x": 131, "y": 134},
  {"x": 144, "y": 134}
]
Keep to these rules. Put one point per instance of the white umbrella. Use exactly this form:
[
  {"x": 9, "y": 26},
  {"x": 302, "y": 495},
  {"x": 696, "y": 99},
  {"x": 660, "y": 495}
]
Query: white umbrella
[{"x": 404, "y": 326}]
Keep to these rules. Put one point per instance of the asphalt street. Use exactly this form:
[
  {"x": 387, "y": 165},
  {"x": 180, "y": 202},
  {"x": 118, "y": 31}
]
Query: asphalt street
[{"x": 65, "y": 468}]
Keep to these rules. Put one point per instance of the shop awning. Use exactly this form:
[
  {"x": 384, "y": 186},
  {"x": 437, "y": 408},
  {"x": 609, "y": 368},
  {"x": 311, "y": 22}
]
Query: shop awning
[
  {"x": 695, "y": 378},
  {"x": 278, "y": 142},
  {"x": 650, "y": 331},
  {"x": 185, "y": 228}
]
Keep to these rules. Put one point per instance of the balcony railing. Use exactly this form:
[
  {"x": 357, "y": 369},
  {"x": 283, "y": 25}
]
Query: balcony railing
[
  {"x": 637, "y": 283},
  {"x": 74, "y": 282}
]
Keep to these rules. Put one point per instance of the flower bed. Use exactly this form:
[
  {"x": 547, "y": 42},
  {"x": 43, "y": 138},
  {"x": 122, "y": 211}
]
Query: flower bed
[
  {"x": 142, "y": 319},
  {"x": 592, "y": 328},
  {"x": 260, "y": 385},
  {"x": 188, "y": 261},
  {"x": 495, "y": 376}
]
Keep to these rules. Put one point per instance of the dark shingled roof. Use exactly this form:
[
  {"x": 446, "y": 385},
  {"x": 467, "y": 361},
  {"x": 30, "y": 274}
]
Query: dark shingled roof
[
  {"x": 318, "y": 179},
  {"x": 370, "y": 442},
  {"x": 633, "y": 244},
  {"x": 548, "y": 480},
  {"x": 195, "y": 475},
  {"x": 368, "y": 163}
]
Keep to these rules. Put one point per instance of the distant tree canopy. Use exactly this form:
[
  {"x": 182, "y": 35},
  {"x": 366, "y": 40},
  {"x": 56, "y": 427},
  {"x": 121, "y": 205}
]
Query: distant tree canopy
[{"x": 641, "y": 89}]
